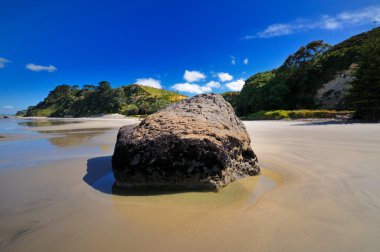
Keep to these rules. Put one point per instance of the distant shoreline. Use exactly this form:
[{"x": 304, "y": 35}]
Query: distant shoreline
[{"x": 103, "y": 117}]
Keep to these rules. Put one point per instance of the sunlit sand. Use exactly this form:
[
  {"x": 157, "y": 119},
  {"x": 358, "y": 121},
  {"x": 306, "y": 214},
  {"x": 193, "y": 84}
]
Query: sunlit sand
[{"x": 318, "y": 191}]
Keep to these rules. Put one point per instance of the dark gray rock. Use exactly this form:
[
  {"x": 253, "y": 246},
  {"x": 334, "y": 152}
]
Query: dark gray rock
[{"x": 196, "y": 143}]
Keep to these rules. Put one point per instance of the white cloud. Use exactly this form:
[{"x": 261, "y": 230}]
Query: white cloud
[
  {"x": 191, "y": 76},
  {"x": 213, "y": 84},
  {"x": 8, "y": 107},
  {"x": 275, "y": 30},
  {"x": 3, "y": 61},
  {"x": 225, "y": 77},
  {"x": 246, "y": 61},
  {"x": 233, "y": 60},
  {"x": 149, "y": 82},
  {"x": 325, "y": 22},
  {"x": 191, "y": 88},
  {"x": 38, "y": 68},
  {"x": 366, "y": 15},
  {"x": 236, "y": 85},
  {"x": 329, "y": 23}
]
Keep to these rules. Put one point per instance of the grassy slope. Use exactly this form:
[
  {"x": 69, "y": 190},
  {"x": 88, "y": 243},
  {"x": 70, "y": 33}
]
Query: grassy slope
[{"x": 172, "y": 96}]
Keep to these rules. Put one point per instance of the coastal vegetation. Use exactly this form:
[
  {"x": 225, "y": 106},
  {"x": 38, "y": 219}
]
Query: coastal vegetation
[
  {"x": 295, "y": 83},
  {"x": 90, "y": 100},
  {"x": 364, "y": 97},
  {"x": 231, "y": 97},
  {"x": 297, "y": 114}
]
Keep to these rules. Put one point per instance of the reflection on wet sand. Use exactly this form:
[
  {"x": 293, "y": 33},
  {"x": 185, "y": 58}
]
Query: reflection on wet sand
[
  {"x": 67, "y": 138},
  {"x": 11, "y": 137},
  {"x": 68, "y": 131},
  {"x": 43, "y": 123},
  {"x": 37, "y": 143}
]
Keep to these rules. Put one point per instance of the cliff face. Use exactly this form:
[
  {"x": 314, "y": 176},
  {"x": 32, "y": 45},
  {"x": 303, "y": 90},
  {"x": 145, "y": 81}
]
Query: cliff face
[{"x": 332, "y": 93}]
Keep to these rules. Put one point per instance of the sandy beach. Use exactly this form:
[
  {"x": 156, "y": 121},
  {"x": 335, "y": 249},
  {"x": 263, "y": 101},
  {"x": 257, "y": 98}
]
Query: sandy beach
[{"x": 319, "y": 191}]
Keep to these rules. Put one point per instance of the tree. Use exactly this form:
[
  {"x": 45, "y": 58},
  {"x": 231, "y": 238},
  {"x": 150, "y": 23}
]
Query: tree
[
  {"x": 232, "y": 98},
  {"x": 364, "y": 95},
  {"x": 252, "y": 97},
  {"x": 104, "y": 86},
  {"x": 60, "y": 90},
  {"x": 88, "y": 87},
  {"x": 306, "y": 54}
]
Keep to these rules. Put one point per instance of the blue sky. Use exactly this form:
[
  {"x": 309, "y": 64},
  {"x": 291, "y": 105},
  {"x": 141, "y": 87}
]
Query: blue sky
[{"x": 189, "y": 46}]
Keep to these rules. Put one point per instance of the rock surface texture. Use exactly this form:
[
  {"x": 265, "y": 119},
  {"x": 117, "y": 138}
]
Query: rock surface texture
[{"x": 198, "y": 143}]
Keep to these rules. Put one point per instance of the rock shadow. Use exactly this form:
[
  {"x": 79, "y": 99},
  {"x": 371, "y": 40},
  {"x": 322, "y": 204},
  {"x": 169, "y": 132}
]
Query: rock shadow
[
  {"x": 99, "y": 174},
  {"x": 100, "y": 177}
]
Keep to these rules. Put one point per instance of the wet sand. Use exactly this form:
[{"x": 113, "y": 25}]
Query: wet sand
[{"x": 319, "y": 191}]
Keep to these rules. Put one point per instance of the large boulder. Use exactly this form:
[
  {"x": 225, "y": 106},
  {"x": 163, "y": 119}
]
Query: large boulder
[{"x": 195, "y": 143}]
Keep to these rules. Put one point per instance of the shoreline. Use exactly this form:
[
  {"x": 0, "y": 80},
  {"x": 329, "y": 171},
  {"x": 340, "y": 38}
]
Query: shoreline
[{"x": 111, "y": 117}]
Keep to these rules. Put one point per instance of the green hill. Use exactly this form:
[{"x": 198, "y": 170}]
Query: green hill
[
  {"x": 72, "y": 101},
  {"x": 317, "y": 76}
]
